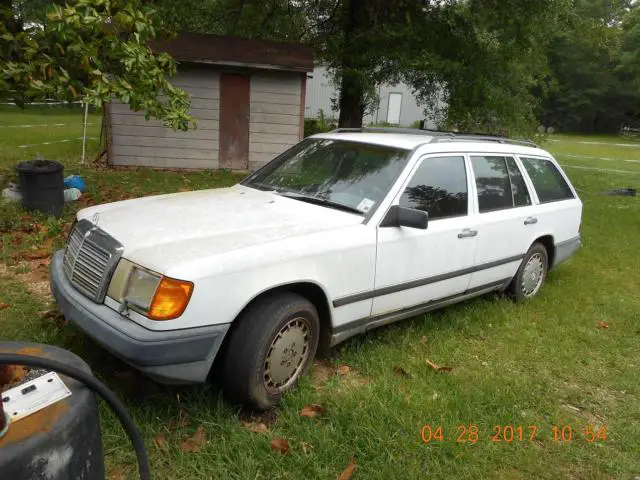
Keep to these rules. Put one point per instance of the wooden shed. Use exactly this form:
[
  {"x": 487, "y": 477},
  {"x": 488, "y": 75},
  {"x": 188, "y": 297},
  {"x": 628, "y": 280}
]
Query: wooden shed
[{"x": 247, "y": 96}]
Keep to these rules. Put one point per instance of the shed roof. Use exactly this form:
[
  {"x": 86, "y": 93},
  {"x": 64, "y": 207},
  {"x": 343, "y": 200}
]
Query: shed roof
[{"x": 236, "y": 51}]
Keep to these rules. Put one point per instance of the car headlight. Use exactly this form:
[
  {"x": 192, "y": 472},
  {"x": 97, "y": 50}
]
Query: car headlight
[
  {"x": 141, "y": 289},
  {"x": 149, "y": 293}
]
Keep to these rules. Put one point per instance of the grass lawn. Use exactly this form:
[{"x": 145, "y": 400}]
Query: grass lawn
[{"x": 569, "y": 358}]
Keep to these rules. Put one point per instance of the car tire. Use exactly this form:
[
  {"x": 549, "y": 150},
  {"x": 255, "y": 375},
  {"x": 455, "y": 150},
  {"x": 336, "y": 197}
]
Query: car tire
[
  {"x": 272, "y": 346},
  {"x": 531, "y": 275}
]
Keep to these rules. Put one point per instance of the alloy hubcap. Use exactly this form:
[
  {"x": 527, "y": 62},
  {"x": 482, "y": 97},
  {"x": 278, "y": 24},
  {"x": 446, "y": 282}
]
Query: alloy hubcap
[
  {"x": 287, "y": 355},
  {"x": 532, "y": 275}
]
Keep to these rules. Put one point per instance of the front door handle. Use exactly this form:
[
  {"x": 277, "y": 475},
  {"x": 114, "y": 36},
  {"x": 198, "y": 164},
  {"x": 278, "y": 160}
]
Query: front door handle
[
  {"x": 531, "y": 221},
  {"x": 466, "y": 233}
]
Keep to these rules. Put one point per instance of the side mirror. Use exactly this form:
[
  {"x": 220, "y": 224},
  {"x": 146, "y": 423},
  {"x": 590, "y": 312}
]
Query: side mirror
[{"x": 398, "y": 216}]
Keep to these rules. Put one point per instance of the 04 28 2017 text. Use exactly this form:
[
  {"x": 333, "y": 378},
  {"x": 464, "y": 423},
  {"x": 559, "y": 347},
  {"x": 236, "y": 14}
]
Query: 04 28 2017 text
[{"x": 509, "y": 433}]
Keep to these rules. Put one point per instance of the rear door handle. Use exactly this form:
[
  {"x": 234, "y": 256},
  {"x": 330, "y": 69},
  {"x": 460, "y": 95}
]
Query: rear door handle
[
  {"x": 466, "y": 233},
  {"x": 531, "y": 221}
]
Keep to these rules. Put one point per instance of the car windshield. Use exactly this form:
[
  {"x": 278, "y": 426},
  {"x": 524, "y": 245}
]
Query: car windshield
[{"x": 339, "y": 174}]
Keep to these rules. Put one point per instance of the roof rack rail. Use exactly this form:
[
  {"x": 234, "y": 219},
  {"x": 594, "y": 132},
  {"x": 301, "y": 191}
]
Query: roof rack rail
[
  {"x": 412, "y": 131},
  {"x": 441, "y": 136},
  {"x": 475, "y": 137}
]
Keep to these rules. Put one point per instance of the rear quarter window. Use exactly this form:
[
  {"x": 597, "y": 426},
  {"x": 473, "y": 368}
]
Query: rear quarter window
[{"x": 547, "y": 180}]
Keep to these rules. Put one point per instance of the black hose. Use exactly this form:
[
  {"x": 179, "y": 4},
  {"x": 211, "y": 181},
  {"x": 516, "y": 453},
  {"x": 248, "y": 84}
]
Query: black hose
[{"x": 98, "y": 387}]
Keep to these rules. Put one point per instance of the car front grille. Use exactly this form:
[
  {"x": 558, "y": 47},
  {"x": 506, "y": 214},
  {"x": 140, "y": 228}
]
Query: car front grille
[{"x": 90, "y": 257}]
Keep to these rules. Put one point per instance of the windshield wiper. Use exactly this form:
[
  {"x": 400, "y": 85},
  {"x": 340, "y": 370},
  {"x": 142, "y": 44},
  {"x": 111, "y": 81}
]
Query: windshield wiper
[
  {"x": 265, "y": 187},
  {"x": 320, "y": 201}
]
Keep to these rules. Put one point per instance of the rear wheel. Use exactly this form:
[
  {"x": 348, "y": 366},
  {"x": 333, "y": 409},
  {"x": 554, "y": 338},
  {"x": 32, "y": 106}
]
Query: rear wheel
[
  {"x": 270, "y": 349},
  {"x": 531, "y": 274}
]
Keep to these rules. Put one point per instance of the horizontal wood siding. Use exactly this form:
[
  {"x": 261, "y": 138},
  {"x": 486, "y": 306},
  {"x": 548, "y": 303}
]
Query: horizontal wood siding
[
  {"x": 198, "y": 113},
  {"x": 161, "y": 132},
  {"x": 177, "y": 153},
  {"x": 274, "y": 123},
  {"x": 275, "y": 115},
  {"x": 273, "y": 128},
  {"x": 190, "y": 143},
  {"x": 164, "y": 162},
  {"x": 274, "y": 108},
  {"x": 138, "y": 142}
]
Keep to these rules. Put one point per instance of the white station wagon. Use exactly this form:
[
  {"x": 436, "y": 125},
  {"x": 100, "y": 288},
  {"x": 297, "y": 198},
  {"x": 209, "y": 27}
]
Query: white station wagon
[{"x": 342, "y": 233}]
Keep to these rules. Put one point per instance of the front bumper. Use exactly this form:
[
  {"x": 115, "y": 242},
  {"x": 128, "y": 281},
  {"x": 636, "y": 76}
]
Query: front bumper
[{"x": 175, "y": 356}]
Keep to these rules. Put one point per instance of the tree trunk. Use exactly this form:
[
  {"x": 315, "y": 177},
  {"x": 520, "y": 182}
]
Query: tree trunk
[{"x": 351, "y": 102}]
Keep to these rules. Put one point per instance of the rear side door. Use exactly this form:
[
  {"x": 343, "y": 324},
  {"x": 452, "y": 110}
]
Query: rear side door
[
  {"x": 559, "y": 209},
  {"x": 506, "y": 218},
  {"x": 415, "y": 266}
]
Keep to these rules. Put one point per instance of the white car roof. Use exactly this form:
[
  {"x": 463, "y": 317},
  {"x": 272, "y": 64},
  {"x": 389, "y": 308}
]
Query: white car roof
[{"x": 434, "y": 143}]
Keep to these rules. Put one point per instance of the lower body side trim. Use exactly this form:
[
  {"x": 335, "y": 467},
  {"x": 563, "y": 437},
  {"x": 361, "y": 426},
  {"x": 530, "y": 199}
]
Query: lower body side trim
[{"x": 356, "y": 327}]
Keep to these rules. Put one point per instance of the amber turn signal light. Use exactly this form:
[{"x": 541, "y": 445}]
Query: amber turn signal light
[{"x": 170, "y": 299}]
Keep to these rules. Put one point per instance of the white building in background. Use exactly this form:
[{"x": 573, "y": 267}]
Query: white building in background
[{"x": 398, "y": 105}]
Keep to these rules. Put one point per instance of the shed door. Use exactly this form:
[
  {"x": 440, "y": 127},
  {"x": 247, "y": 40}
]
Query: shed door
[
  {"x": 234, "y": 121},
  {"x": 395, "y": 106}
]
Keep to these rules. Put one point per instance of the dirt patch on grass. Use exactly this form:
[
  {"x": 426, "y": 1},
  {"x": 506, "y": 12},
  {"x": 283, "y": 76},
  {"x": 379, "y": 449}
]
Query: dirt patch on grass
[
  {"x": 267, "y": 417},
  {"x": 346, "y": 377},
  {"x": 35, "y": 276}
]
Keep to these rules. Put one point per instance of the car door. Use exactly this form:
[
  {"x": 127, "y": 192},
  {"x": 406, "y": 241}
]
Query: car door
[
  {"x": 559, "y": 209},
  {"x": 415, "y": 266},
  {"x": 505, "y": 215}
]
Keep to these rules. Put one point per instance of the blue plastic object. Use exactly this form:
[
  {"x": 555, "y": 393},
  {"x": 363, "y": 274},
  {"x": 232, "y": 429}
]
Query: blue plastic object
[{"x": 75, "y": 181}]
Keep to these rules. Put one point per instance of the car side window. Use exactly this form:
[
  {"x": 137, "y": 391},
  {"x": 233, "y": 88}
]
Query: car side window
[
  {"x": 521, "y": 197},
  {"x": 492, "y": 182},
  {"x": 439, "y": 187},
  {"x": 547, "y": 180}
]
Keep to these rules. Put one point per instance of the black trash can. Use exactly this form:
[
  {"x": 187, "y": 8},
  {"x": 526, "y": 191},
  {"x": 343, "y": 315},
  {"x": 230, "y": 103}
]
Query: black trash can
[{"x": 42, "y": 186}]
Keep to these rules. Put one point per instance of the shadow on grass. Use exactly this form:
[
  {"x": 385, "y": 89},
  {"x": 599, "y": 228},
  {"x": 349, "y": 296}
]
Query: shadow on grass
[
  {"x": 168, "y": 401},
  {"x": 441, "y": 318}
]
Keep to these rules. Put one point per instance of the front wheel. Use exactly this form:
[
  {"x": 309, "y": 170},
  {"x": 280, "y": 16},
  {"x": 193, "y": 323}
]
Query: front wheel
[
  {"x": 270, "y": 349},
  {"x": 531, "y": 274}
]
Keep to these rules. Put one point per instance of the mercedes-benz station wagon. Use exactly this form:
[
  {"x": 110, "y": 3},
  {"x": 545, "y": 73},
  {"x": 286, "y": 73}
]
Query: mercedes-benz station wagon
[{"x": 344, "y": 232}]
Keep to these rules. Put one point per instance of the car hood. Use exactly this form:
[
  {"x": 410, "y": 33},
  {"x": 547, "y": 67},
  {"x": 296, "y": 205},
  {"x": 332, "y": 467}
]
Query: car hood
[{"x": 162, "y": 231}]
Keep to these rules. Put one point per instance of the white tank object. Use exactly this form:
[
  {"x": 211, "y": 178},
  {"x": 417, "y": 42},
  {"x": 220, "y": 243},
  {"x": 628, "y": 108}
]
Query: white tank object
[
  {"x": 72, "y": 194},
  {"x": 12, "y": 193}
]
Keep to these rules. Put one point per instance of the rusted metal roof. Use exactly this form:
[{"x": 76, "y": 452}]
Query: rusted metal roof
[{"x": 236, "y": 51}]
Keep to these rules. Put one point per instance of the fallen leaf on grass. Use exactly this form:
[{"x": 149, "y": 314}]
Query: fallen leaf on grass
[
  {"x": 438, "y": 368},
  {"x": 256, "y": 427},
  {"x": 343, "y": 369},
  {"x": 401, "y": 372},
  {"x": 280, "y": 445},
  {"x": 312, "y": 410},
  {"x": 36, "y": 255},
  {"x": 603, "y": 325},
  {"x": 3, "y": 305},
  {"x": 119, "y": 473},
  {"x": 348, "y": 472},
  {"x": 194, "y": 442},
  {"x": 306, "y": 447},
  {"x": 423, "y": 340},
  {"x": 160, "y": 441}
]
